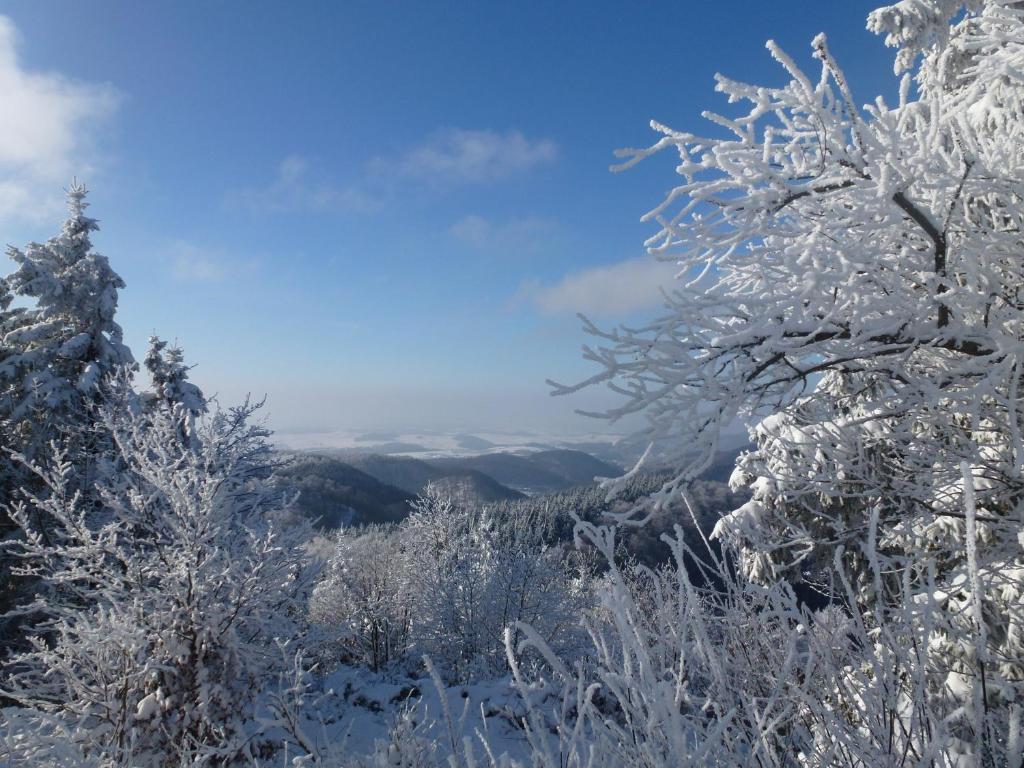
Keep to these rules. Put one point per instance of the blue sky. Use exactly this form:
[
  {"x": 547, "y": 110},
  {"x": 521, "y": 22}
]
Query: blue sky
[{"x": 379, "y": 214}]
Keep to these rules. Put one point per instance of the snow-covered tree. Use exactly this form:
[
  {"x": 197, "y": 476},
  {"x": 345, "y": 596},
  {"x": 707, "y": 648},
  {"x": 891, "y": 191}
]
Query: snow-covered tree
[
  {"x": 172, "y": 390},
  {"x": 819, "y": 237},
  {"x": 64, "y": 350},
  {"x": 446, "y": 583},
  {"x": 61, "y": 355},
  {"x": 850, "y": 283},
  {"x": 11, "y": 318},
  {"x": 363, "y": 598},
  {"x": 473, "y": 574},
  {"x": 162, "y": 608},
  {"x": 167, "y": 369}
]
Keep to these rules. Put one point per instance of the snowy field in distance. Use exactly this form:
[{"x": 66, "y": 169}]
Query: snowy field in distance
[{"x": 427, "y": 445}]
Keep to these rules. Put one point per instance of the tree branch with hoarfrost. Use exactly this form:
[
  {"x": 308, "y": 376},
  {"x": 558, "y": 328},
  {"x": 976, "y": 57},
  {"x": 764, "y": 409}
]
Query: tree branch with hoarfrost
[
  {"x": 850, "y": 284},
  {"x": 812, "y": 235}
]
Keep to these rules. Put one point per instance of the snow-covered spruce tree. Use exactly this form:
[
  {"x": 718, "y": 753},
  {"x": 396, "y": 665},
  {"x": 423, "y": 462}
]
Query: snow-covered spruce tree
[
  {"x": 172, "y": 391},
  {"x": 851, "y": 278},
  {"x": 58, "y": 359},
  {"x": 64, "y": 350},
  {"x": 11, "y": 318},
  {"x": 12, "y": 475},
  {"x": 171, "y": 387},
  {"x": 164, "y": 606}
]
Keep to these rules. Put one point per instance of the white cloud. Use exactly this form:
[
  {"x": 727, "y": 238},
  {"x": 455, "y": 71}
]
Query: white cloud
[
  {"x": 523, "y": 233},
  {"x": 465, "y": 156},
  {"x": 294, "y": 190},
  {"x": 48, "y": 129},
  {"x": 617, "y": 289}
]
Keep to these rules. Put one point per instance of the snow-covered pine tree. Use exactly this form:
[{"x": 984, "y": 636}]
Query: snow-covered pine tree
[
  {"x": 172, "y": 390},
  {"x": 59, "y": 358},
  {"x": 12, "y": 474},
  {"x": 10, "y": 319},
  {"x": 66, "y": 349}
]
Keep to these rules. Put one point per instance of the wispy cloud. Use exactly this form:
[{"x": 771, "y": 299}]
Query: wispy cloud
[
  {"x": 48, "y": 128},
  {"x": 453, "y": 156},
  {"x": 525, "y": 233},
  {"x": 295, "y": 189},
  {"x": 471, "y": 157},
  {"x": 617, "y": 289},
  {"x": 191, "y": 263}
]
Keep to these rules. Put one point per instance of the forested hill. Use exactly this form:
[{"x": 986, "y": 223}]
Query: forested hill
[
  {"x": 536, "y": 472},
  {"x": 355, "y": 489},
  {"x": 414, "y": 475},
  {"x": 333, "y": 493},
  {"x": 713, "y": 499},
  {"x": 373, "y": 489}
]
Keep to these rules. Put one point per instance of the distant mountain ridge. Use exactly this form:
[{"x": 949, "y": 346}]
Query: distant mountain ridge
[
  {"x": 333, "y": 493},
  {"x": 579, "y": 467},
  {"x": 358, "y": 489},
  {"x": 350, "y": 488},
  {"x": 414, "y": 475},
  {"x": 535, "y": 472}
]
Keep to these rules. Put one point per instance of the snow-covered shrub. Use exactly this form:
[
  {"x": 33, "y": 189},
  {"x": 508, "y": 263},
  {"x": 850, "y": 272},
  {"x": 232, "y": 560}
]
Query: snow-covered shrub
[
  {"x": 161, "y": 607},
  {"x": 743, "y": 674},
  {"x": 473, "y": 574},
  {"x": 363, "y": 597},
  {"x": 446, "y": 583},
  {"x": 407, "y": 746},
  {"x": 660, "y": 685}
]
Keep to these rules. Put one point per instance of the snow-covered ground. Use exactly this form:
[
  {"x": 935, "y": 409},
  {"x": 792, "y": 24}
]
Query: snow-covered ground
[{"x": 358, "y": 710}]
